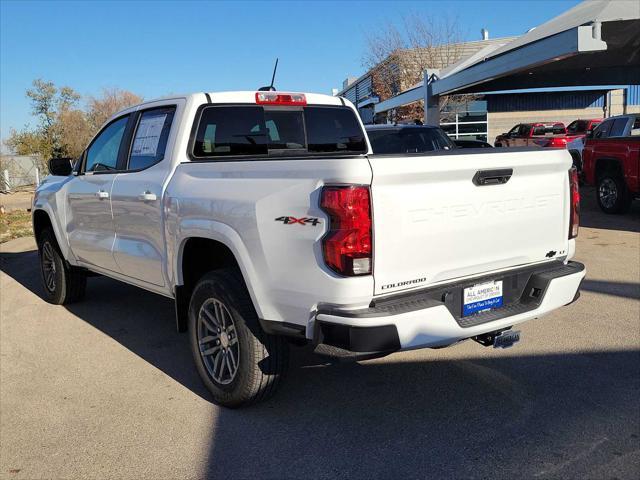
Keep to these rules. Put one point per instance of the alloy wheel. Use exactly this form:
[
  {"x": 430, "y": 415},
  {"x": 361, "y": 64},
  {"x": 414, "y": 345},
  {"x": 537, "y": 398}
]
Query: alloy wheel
[
  {"x": 48, "y": 266},
  {"x": 218, "y": 341},
  {"x": 608, "y": 192}
]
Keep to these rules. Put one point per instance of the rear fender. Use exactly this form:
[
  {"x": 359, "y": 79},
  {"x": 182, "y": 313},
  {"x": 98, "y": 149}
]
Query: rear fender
[{"x": 224, "y": 234}]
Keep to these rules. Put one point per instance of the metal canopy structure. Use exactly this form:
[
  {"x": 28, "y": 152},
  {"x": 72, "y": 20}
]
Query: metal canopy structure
[{"x": 594, "y": 43}]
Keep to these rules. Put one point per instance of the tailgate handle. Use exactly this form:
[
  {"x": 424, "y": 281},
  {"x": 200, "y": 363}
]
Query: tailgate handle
[{"x": 492, "y": 177}]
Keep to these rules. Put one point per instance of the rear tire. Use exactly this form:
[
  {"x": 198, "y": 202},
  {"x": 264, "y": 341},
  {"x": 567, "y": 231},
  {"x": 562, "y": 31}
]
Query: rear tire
[
  {"x": 62, "y": 283},
  {"x": 613, "y": 195},
  {"x": 238, "y": 362}
]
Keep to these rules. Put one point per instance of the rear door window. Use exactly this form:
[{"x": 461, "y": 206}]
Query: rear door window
[
  {"x": 602, "y": 131},
  {"x": 150, "y": 138},
  {"x": 618, "y": 127}
]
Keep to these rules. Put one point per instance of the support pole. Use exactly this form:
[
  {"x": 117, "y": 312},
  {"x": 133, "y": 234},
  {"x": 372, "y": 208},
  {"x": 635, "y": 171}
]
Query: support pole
[
  {"x": 5, "y": 181},
  {"x": 431, "y": 101}
]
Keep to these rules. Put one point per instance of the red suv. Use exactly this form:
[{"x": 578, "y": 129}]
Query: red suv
[
  {"x": 611, "y": 161},
  {"x": 531, "y": 134}
]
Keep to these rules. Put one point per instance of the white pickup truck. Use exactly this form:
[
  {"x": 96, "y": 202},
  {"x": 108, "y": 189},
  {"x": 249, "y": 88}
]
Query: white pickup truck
[{"x": 268, "y": 220}]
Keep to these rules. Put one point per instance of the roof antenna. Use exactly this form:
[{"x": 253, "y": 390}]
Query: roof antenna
[{"x": 270, "y": 88}]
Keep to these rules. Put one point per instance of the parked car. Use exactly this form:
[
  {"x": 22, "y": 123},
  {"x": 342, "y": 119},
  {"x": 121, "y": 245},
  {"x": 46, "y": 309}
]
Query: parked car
[
  {"x": 269, "y": 221},
  {"x": 407, "y": 138},
  {"x": 611, "y": 162},
  {"x": 472, "y": 144},
  {"x": 539, "y": 134}
]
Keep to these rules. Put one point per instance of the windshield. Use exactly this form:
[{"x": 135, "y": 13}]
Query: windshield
[
  {"x": 409, "y": 140},
  {"x": 253, "y": 130}
]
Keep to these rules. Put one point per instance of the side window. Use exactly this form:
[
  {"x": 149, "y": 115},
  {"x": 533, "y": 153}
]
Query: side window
[
  {"x": 524, "y": 130},
  {"x": 514, "y": 131},
  {"x": 617, "y": 129},
  {"x": 102, "y": 155},
  {"x": 539, "y": 130},
  {"x": 602, "y": 131},
  {"x": 635, "y": 128},
  {"x": 150, "y": 138}
]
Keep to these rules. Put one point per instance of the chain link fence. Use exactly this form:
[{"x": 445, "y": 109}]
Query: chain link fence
[{"x": 19, "y": 172}]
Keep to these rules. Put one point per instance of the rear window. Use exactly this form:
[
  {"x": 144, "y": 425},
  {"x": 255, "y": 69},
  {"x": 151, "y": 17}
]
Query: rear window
[
  {"x": 409, "y": 140},
  {"x": 549, "y": 129},
  {"x": 578, "y": 126},
  {"x": 331, "y": 129},
  {"x": 247, "y": 130}
]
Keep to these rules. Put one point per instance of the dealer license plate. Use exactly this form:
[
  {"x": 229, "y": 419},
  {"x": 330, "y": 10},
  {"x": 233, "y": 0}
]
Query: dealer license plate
[{"x": 482, "y": 297}]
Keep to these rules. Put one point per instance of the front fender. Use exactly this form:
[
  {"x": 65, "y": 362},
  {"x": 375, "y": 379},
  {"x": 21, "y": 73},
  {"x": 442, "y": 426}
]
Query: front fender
[{"x": 49, "y": 198}]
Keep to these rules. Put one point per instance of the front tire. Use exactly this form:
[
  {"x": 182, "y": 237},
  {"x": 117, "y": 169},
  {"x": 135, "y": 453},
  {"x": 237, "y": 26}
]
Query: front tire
[
  {"x": 238, "y": 362},
  {"x": 612, "y": 192},
  {"x": 62, "y": 283}
]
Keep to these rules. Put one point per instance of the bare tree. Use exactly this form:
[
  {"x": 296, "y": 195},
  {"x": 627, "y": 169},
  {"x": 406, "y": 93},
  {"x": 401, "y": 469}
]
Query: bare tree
[
  {"x": 64, "y": 127},
  {"x": 397, "y": 56},
  {"x": 47, "y": 104},
  {"x": 111, "y": 101}
]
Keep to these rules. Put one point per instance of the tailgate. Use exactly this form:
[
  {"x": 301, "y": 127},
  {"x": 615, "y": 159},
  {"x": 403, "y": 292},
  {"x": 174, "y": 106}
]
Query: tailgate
[{"x": 432, "y": 223}]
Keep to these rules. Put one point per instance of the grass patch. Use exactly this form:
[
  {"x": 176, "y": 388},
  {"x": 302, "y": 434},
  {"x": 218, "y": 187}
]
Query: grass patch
[{"x": 15, "y": 224}]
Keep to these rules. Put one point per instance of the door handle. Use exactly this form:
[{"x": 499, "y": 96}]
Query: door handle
[
  {"x": 147, "y": 196},
  {"x": 101, "y": 194},
  {"x": 492, "y": 177}
]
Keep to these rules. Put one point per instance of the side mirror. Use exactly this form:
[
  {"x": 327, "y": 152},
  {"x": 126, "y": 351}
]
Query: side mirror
[
  {"x": 60, "y": 167},
  {"x": 589, "y": 133}
]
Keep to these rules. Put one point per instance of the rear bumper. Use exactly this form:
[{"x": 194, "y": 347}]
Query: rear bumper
[{"x": 432, "y": 317}]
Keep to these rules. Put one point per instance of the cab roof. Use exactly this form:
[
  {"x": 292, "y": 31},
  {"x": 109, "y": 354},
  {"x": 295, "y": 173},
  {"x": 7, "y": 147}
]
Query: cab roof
[{"x": 250, "y": 97}]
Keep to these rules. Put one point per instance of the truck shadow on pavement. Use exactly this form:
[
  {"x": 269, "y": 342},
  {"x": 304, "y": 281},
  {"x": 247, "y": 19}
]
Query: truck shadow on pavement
[
  {"x": 491, "y": 416},
  {"x": 549, "y": 416}
]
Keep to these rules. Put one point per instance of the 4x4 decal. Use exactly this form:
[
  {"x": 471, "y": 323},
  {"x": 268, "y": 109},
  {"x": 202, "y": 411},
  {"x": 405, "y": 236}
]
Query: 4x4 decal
[{"x": 302, "y": 220}]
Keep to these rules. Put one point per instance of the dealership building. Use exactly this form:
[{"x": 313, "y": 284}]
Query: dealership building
[{"x": 492, "y": 112}]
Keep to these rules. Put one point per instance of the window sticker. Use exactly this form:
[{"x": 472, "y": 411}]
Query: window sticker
[{"x": 148, "y": 135}]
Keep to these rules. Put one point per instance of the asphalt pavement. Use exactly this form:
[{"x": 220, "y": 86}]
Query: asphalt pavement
[{"x": 107, "y": 389}]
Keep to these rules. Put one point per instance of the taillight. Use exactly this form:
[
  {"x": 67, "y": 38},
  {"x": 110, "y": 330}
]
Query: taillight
[
  {"x": 574, "y": 193},
  {"x": 554, "y": 142},
  {"x": 558, "y": 142},
  {"x": 347, "y": 246},
  {"x": 277, "y": 98}
]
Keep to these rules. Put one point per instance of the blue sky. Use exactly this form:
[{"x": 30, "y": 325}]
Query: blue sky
[{"x": 155, "y": 48}]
